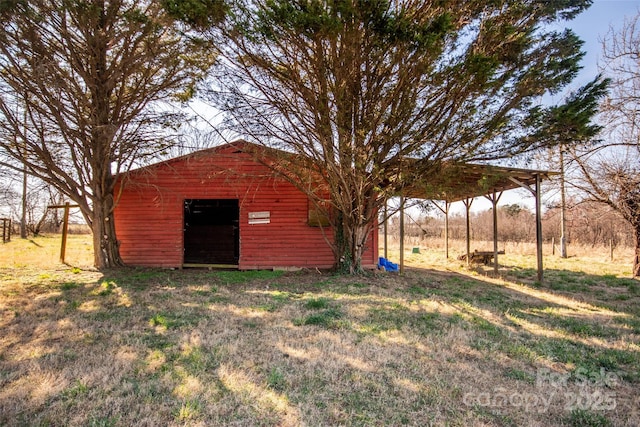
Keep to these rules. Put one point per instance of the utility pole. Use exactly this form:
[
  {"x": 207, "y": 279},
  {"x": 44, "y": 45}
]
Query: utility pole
[
  {"x": 563, "y": 208},
  {"x": 23, "y": 218}
]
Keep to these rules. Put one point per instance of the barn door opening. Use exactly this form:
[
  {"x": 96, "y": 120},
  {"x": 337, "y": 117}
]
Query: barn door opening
[{"x": 211, "y": 232}]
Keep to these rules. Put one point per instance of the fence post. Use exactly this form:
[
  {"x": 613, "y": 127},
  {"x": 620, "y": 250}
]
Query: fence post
[
  {"x": 611, "y": 248},
  {"x": 6, "y": 230},
  {"x": 65, "y": 232},
  {"x": 65, "y": 227}
]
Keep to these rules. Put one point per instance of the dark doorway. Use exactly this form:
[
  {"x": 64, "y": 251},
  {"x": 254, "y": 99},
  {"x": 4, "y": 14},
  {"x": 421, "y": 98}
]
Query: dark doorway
[{"x": 211, "y": 232}]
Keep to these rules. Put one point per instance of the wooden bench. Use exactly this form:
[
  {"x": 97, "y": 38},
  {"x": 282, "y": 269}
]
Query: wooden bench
[{"x": 478, "y": 257}]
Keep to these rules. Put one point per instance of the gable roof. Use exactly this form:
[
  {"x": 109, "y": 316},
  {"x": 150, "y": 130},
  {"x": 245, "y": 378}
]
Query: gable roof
[
  {"x": 240, "y": 145},
  {"x": 453, "y": 182}
]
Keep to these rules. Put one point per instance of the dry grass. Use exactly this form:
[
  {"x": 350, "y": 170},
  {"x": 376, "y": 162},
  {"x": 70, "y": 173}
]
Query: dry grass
[{"x": 441, "y": 345}]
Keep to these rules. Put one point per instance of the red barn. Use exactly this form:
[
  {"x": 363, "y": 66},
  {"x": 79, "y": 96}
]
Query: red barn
[{"x": 220, "y": 207}]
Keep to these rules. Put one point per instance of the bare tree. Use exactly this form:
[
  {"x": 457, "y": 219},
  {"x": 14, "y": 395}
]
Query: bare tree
[
  {"x": 193, "y": 138},
  {"x": 37, "y": 217},
  {"x": 8, "y": 191},
  {"x": 610, "y": 170},
  {"x": 572, "y": 125},
  {"x": 612, "y": 177},
  {"x": 92, "y": 78},
  {"x": 28, "y": 207},
  {"x": 358, "y": 88}
]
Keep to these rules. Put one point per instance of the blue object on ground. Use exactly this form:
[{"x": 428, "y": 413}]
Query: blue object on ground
[{"x": 387, "y": 265}]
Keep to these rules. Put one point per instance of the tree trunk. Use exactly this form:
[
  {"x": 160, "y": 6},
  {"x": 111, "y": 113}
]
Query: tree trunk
[
  {"x": 350, "y": 241},
  {"x": 636, "y": 258},
  {"x": 106, "y": 249},
  {"x": 105, "y": 244},
  {"x": 359, "y": 238}
]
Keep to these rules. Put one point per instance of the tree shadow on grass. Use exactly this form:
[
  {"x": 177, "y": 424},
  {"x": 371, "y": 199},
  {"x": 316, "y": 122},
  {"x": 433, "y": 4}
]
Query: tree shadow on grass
[
  {"x": 35, "y": 243},
  {"x": 606, "y": 289},
  {"x": 281, "y": 349}
]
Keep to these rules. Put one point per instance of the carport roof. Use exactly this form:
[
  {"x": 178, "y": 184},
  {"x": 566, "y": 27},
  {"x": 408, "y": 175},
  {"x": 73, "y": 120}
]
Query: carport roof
[{"x": 460, "y": 181}]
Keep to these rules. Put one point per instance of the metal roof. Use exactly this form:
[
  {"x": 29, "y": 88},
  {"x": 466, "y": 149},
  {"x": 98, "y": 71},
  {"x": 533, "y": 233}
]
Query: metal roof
[{"x": 459, "y": 181}]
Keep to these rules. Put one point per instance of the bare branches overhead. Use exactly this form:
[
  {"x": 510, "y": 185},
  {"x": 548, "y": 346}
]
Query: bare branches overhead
[
  {"x": 610, "y": 168},
  {"x": 356, "y": 87},
  {"x": 82, "y": 87}
]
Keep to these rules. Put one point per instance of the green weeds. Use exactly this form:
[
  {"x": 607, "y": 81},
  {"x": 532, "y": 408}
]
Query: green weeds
[
  {"x": 241, "y": 277},
  {"x": 586, "y": 418},
  {"x": 327, "y": 318},
  {"x": 174, "y": 320},
  {"x": 189, "y": 410},
  {"x": 192, "y": 347},
  {"x": 317, "y": 303},
  {"x": 276, "y": 380},
  {"x": 75, "y": 391}
]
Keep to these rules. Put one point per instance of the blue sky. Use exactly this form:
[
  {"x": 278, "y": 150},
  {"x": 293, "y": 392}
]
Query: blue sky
[{"x": 593, "y": 25}]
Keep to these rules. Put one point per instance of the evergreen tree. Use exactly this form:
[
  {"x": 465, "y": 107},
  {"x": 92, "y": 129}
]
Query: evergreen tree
[{"x": 358, "y": 87}]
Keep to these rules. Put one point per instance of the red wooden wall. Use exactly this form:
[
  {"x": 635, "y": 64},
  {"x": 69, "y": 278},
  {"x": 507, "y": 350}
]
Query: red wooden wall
[{"x": 149, "y": 214}]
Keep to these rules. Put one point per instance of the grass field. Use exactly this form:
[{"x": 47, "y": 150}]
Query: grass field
[{"x": 440, "y": 345}]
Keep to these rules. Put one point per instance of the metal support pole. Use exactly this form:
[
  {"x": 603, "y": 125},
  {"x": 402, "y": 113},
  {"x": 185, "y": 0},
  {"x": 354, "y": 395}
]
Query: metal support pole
[
  {"x": 495, "y": 233},
  {"x": 446, "y": 229},
  {"x": 494, "y": 198},
  {"x": 539, "y": 229},
  {"x": 386, "y": 230},
  {"x": 537, "y": 194},
  {"x": 401, "y": 234},
  {"x": 445, "y": 211},
  {"x": 467, "y": 204}
]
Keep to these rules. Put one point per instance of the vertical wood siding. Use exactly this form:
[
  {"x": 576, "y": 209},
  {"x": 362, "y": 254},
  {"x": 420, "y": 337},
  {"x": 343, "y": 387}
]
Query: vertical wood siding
[{"x": 149, "y": 214}]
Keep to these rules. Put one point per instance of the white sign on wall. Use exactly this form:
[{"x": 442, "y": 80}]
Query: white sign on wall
[{"x": 259, "y": 217}]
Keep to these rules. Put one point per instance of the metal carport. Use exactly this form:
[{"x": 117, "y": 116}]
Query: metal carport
[{"x": 455, "y": 182}]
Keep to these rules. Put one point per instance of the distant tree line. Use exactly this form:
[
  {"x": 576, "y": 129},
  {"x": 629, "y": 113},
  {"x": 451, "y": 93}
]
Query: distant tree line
[
  {"x": 38, "y": 218},
  {"x": 370, "y": 95},
  {"x": 589, "y": 224}
]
